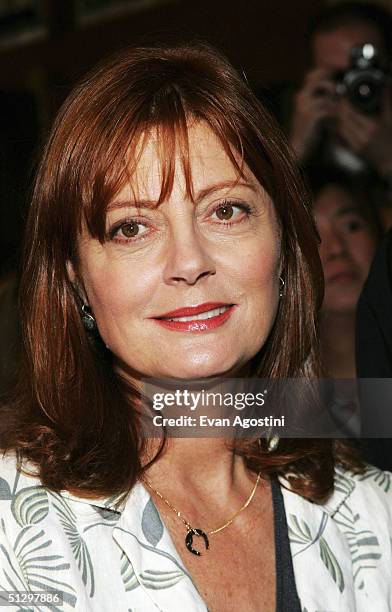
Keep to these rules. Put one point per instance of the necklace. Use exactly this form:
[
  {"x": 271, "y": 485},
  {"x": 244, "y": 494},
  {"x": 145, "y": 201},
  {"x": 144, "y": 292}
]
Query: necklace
[{"x": 193, "y": 531}]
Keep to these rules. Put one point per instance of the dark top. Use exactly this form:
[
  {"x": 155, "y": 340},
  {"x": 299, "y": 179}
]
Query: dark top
[
  {"x": 286, "y": 591},
  {"x": 374, "y": 352},
  {"x": 374, "y": 317}
]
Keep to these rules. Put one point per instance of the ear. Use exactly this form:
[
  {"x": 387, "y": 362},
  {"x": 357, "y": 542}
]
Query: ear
[{"x": 76, "y": 282}]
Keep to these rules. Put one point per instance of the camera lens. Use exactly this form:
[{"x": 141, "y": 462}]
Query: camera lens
[
  {"x": 366, "y": 93},
  {"x": 364, "y": 82}
]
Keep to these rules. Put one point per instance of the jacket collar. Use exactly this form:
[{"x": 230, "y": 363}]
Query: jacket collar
[
  {"x": 317, "y": 542},
  {"x": 154, "y": 564},
  {"x": 338, "y": 497}
]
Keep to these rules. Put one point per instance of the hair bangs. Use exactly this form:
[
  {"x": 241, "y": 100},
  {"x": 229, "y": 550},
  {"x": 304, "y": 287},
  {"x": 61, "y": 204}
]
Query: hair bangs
[{"x": 167, "y": 120}]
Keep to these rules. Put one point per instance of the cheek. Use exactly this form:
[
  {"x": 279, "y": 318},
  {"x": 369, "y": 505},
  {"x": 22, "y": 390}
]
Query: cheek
[
  {"x": 363, "y": 249},
  {"x": 255, "y": 271},
  {"x": 261, "y": 263},
  {"x": 323, "y": 255},
  {"x": 118, "y": 290}
]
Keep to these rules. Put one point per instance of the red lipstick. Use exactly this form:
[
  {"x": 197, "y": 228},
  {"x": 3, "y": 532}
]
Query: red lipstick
[
  {"x": 197, "y": 324},
  {"x": 188, "y": 311}
]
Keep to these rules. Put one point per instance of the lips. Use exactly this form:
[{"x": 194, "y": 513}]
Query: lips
[
  {"x": 196, "y": 319},
  {"x": 342, "y": 276},
  {"x": 189, "y": 311}
]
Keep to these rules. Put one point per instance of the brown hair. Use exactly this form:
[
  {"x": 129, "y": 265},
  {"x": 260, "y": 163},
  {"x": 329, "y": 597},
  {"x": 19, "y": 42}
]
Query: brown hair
[{"x": 71, "y": 415}]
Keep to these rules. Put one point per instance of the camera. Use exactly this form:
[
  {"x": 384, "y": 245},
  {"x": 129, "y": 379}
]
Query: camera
[{"x": 364, "y": 81}]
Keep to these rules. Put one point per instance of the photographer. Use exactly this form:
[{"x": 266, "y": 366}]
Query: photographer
[{"x": 335, "y": 119}]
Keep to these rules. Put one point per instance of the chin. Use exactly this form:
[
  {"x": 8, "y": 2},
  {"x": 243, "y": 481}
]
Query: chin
[
  {"x": 341, "y": 309},
  {"x": 200, "y": 369}
]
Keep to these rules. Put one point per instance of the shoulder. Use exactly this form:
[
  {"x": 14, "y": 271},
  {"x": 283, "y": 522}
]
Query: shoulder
[
  {"x": 361, "y": 509},
  {"x": 369, "y": 490},
  {"x": 346, "y": 541},
  {"x": 11, "y": 470},
  {"x": 359, "y": 502},
  {"x": 14, "y": 481}
]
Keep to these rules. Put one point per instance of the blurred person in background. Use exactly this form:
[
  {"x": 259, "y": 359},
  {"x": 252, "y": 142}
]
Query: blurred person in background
[
  {"x": 349, "y": 232},
  {"x": 342, "y": 114}
]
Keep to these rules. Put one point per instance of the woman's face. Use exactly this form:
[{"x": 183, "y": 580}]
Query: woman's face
[
  {"x": 188, "y": 289},
  {"x": 347, "y": 248}
]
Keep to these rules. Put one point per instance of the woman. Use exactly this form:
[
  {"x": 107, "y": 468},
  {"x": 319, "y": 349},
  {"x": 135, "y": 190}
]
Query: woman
[
  {"x": 349, "y": 231},
  {"x": 170, "y": 237}
]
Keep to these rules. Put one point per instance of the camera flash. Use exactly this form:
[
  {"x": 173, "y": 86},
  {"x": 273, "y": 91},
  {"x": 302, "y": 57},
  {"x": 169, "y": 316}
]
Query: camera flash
[{"x": 368, "y": 51}]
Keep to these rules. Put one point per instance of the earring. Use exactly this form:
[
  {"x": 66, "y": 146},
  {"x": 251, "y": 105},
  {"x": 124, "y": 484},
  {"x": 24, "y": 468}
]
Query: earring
[
  {"x": 273, "y": 443},
  {"x": 281, "y": 286},
  {"x": 88, "y": 319}
]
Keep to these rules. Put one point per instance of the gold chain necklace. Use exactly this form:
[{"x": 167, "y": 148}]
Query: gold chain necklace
[{"x": 193, "y": 531}]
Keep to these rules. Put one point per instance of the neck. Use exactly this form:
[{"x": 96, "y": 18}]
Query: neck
[
  {"x": 338, "y": 344},
  {"x": 197, "y": 466}
]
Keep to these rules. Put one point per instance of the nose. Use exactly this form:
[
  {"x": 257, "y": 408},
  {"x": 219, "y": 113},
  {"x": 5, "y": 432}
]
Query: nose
[
  {"x": 333, "y": 245},
  {"x": 188, "y": 258}
]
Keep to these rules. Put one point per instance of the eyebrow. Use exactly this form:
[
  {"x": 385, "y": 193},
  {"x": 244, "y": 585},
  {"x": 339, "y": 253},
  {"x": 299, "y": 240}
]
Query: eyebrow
[
  {"x": 129, "y": 203},
  {"x": 348, "y": 210},
  {"x": 199, "y": 196},
  {"x": 203, "y": 193}
]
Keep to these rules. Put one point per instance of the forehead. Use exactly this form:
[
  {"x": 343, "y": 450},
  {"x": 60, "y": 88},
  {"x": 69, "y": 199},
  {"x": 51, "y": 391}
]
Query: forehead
[
  {"x": 334, "y": 201},
  {"x": 331, "y": 50},
  {"x": 201, "y": 162}
]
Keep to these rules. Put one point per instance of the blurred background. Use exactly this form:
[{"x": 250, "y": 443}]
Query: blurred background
[{"x": 46, "y": 45}]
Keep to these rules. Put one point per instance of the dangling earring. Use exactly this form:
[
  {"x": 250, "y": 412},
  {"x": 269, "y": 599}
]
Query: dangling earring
[
  {"x": 272, "y": 441},
  {"x": 88, "y": 319},
  {"x": 281, "y": 286}
]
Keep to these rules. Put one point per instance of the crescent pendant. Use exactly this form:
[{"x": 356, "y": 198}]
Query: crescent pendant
[{"x": 189, "y": 540}]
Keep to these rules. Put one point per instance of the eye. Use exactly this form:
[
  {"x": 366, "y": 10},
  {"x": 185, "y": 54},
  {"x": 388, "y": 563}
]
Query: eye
[
  {"x": 127, "y": 231},
  {"x": 225, "y": 212},
  {"x": 352, "y": 225},
  {"x": 231, "y": 211},
  {"x": 131, "y": 229}
]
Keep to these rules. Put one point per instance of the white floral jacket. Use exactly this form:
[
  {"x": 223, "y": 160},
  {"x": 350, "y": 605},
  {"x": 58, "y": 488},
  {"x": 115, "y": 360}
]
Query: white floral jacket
[{"x": 104, "y": 560}]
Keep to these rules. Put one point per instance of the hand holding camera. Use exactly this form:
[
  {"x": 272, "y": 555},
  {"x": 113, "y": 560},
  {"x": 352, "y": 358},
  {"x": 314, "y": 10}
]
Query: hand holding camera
[
  {"x": 352, "y": 106},
  {"x": 314, "y": 104}
]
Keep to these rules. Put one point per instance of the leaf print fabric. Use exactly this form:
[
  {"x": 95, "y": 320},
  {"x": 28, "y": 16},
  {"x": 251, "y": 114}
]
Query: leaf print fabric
[
  {"x": 30, "y": 505},
  {"x": 300, "y": 533},
  {"x": 332, "y": 564},
  {"x": 382, "y": 479},
  {"x": 350, "y": 539},
  {"x": 78, "y": 546},
  {"x": 102, "y": 558},
  {"x": 152, "y": 525},
  {"x": 5, "y": 491},
  {"x": 36, "y": 567}
]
